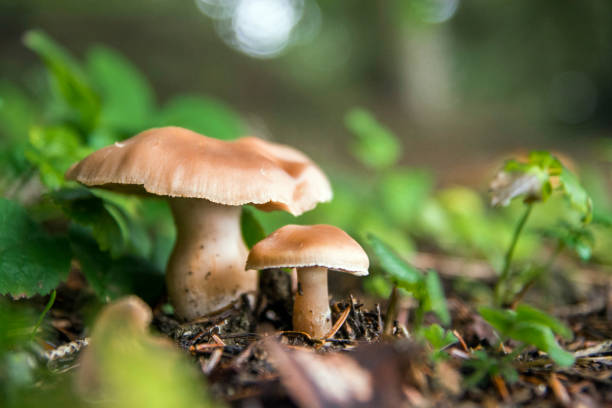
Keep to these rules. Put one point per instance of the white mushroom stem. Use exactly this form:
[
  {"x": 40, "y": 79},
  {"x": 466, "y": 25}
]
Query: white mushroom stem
[
  {"x": 206, "y": 269},
  {"x": 311, "y": 313}
]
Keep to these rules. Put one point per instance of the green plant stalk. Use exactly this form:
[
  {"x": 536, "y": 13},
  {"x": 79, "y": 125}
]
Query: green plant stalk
[
  {"x": 503, "y": 278},
  {"x": 419, "y": 317},
  {"x": 44, "y": 313},
  {"x": 551, "y": 260},
  {"x": 391, "y": 312},
  {"x": 515, "y": 353}
]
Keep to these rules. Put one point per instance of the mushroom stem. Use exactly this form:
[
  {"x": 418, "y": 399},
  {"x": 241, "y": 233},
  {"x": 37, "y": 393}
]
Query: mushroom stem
[
  {"x": 206, "y": 269},
  {"x": 311, "y": 313}
]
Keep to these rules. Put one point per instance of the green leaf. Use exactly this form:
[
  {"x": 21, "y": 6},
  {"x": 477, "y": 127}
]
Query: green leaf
[
  {"x": 68, "y": 80},
  {"x": 376, "y": 146},
  {"x": 53, "y": 150},
  {"x": 530, "y": 326},
  {"x": 203, "y": 115},
  {"x": 543, "y": 338},
  {"x": 17, "y": 112},
  {"x": 502, "y": 320},
  {"x": 403, "y": 193},
  {"x": 438, "y": 337},
  {"x": 576, "y": 194},
  {"x": 16, "y": 322},
  {"x": 107, "y": 222},
  {"x": 127, "y": 96},
  {"x": 435, "y": 300},
  {"x": 252, "y": 231},
  {"x": 485, "y": 366},
  {"x": 377, "y": 285},
  {"x": 525, "y": 313},
  {"x": 577, "y": 238},
  {"x": 400, "y": 272},
  {"x": 111, "y": 278},
  {"x": 31, "y": 261}
]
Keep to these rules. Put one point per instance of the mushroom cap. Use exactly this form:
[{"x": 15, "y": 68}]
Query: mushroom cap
[
  {"x": 176, "y": 162},
  {"x": 298, "y": 246}
]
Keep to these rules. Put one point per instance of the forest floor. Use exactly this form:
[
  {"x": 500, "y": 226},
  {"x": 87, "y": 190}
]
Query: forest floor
[{"x": 250, "y": 357}]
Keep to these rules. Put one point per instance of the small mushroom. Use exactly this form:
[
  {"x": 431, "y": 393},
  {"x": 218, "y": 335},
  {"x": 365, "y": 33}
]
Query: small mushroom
[
  {"x": 312, "y": 250},
  {"x": 207, "y": 180}
]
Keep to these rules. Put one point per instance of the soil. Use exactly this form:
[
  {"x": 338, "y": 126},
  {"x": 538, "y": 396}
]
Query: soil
[{"x": 250, "y": 357}]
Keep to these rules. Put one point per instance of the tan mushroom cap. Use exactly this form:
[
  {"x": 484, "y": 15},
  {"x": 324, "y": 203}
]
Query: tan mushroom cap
[
  {"x": 176, "y": 162},
  {"x": 299, "y": 246}
]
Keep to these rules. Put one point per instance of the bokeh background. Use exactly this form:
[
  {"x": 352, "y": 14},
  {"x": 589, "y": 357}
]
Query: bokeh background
[
  {"x": 459, "y": 81},
  {"x": 410, "y": 106}
]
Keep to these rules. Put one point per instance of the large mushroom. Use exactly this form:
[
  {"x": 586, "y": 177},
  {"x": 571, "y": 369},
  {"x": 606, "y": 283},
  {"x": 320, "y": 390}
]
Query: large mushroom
[
  {"x": 207, "y": 180},
  {"x": 312, "y": 250}
]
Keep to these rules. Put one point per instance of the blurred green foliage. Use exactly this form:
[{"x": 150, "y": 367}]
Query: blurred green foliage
[
  {"x": 439, "y": 339},
  {"x": 91, "y": 104},
  {"x": 424, "y": 287},
  {"x": 484, "y": 367},
  {"x": 531, "y": 326},
  {"x": 121, "y": 244},
  {"x": 125, "y": 366},
  {"x": 31, "y": 261}
]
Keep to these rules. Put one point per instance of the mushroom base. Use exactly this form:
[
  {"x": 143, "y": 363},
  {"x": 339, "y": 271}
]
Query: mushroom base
[
  {"x": 311, "y": 312},
  {"x": 206, "y": 272}
]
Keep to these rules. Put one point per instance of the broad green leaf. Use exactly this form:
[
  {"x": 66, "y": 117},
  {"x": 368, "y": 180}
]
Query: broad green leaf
[
  {"x": 376, "y": 146},
  {"x": 434, "y": 299},
  {"x": 17, "y": 112},
  {"x": 438, "y": 337},
  {"x": 545, "y": 160},
  {"x": 112, "y": 278},
  {"x": 400, "y": 272},
  {"x": 576, "y": 194},
  {"x": 577, "y": 238},
  {"x": 502, "y": 320},
  {"x": 53, "y": 150},
  {"x": 378, "y": 286},
  {"x": 155, "y": 215},
  {"x": 68, "y": 80},
  {"x": 203, "y": 115},
  {"x": 543, "y": 338},
  {"x": 129, "y": 213},
  {"x": 107, "y": 222},
  {"x": 525, "y": 313},
  {"x": 31, "y": 261},
  {"x": 16, "y": 322},
  {"x": 127, "y": 97},
  {"x": 530, "y": 326},
  {"x": 403, "y": 193},
  {"x": 252, "y": 231}
]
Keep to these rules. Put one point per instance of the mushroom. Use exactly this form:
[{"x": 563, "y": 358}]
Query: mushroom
[
  {"x": 312, "y": 250},
  {"x": 207, "y": 180}
]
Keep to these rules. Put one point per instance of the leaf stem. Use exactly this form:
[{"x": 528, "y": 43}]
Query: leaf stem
[
  {"x": 419, "y": 316},
  {"x": 551, "y": 260},
  {"x": 503, "y": 278},
  {"x": 44, "y": 313}
]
